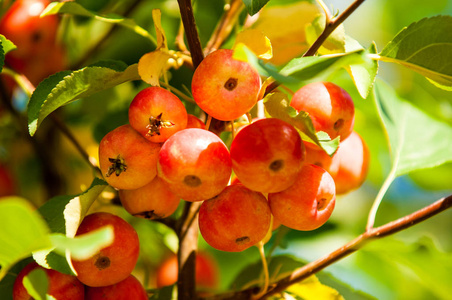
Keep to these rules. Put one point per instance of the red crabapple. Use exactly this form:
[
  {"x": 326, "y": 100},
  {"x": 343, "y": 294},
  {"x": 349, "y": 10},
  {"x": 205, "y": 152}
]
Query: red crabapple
[
  {"x": 308, "y": 203},
  {"x": 195, "y": 122},
  {"x": 206, "y": 272},
  {"x": 152, "y": 201},
  {"x": 129, "y": 288},
  {"x": 37, "y": 55},
  {"x": 126, "y": 159},
  {"x": 113, "y": 263},
  {"x": 267, "y": 155},
  {"x": 223, "y": 87},
  {"x": 317, "y": 156},
  {"x": 330, "y": 107},
  {"x": 352, "y": 159},
  {"x": 195, "y": 163},
  {"x": 157, "y": 114},
  {"x": 7, "y": 182},
  {"x": 61, "y": 286},
  {"x": 235, "y": 220}
]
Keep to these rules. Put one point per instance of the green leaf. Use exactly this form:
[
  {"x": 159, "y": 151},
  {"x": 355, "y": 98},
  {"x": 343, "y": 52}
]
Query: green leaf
[
  {"x": 37, "y": 284},
  {"x": 364, "y": 74},
  {"x": 308, "y": 68},
  {"x": 417, "y": 141},
  {"x": 425, "y": 47},
  {"x": 254, "y": 6},
  {"x": 63, "y": 215},
  {"x": 429, "y": 267},
  {"x": 165, "y": 293},
  {"x": 5, "y": 46},
  {"x": 278, "y": 106},
  {"x": 335, "y": 43},
  {"x": 83, "y": 246},
  {"x": 76, "y": 9},
  {"x": 22, "y": 231},
  {"x": 68, "y": 86}
]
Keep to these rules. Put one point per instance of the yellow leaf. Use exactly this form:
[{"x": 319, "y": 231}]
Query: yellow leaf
[
  {"x": 312, "y": 289},
  {"x": 152, "y": 64},
  {"x": 161, "y": 38},
  {"x": 285, "y": 26},
  {"x": 256, "y": 41},
  {"x": 335, "y": 43}
]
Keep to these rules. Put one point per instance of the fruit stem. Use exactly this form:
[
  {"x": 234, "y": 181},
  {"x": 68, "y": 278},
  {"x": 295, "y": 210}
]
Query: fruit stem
[{"x": 264, "y": 289}]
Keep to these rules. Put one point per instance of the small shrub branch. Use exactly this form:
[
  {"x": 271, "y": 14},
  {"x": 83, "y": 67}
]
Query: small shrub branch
[
  {"x": 331, "y": 26},
  {"x": 188, "y": 230}
]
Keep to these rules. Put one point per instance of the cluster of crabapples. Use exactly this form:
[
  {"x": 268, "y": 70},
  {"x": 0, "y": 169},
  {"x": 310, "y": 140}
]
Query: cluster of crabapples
[
  {"x": 164, "y": 155},
  {"x": 268, "y": 176}
]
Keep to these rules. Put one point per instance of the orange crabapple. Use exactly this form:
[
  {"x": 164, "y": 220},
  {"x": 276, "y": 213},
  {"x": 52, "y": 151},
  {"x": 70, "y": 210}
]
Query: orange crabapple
[
  {"x": 38, "y": 54},
  {"x": 195, "y": 122},
  {"x": 206, "y": 272},
  {"x": 127, "y": 160},
  {"x": 352, "y": 158},
  {"x": 129, "y": 288},
  {"x": 61, "y": 286},
  {"x": 330, "y": 107},
  {"x": 224, "y": 87},
  {"x": 156, "y": 114},
  {"x": 308, "y": 203},
  {"x": 267, "y": 155},
  {"x": 113, "y": 263},
  {"x": 152, "y": 201},
  {"x": 195, "y": 163},
  {"x": 234, "y": 220}
]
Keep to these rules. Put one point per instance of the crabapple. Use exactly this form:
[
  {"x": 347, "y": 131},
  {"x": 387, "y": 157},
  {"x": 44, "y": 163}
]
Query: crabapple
[
  {"x": 7, "y": 184},
  {"x": 267, "y": 155},
  {"x": 224, "y": 87},
  {"x": 127, "y": 160},
  {"x": 195, "y": 163},
  {"x": 330, "y": 107},
  {"x": 206, "y": 272},
  {"x": 234, "y": 220},
  {"x": 61, "y": 286},
  {"x": 317, "y": 156},
  {"x": 38, "y": 54},
  {"x": 352, "y": 159},
  {"x": 113, "y": 263},
  {"x": 195, "y": 122},
  {"x": 129, "y": 288},
  {"x": 157, "y": 114},
  {"x": 152, "y": 201},
  {"x": 308, "y": 203}
]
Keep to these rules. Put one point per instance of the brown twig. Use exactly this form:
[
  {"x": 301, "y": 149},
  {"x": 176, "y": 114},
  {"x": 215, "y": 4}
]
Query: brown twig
[
  {"x": 225, "y": 25},
  {"x": 331, "y": 26},
  {"x": 68, "y": 134},
  {"x": 188, "y": 233},
  {"x": 349, "y": 248},
  {"x": 191, "y": 31}
]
